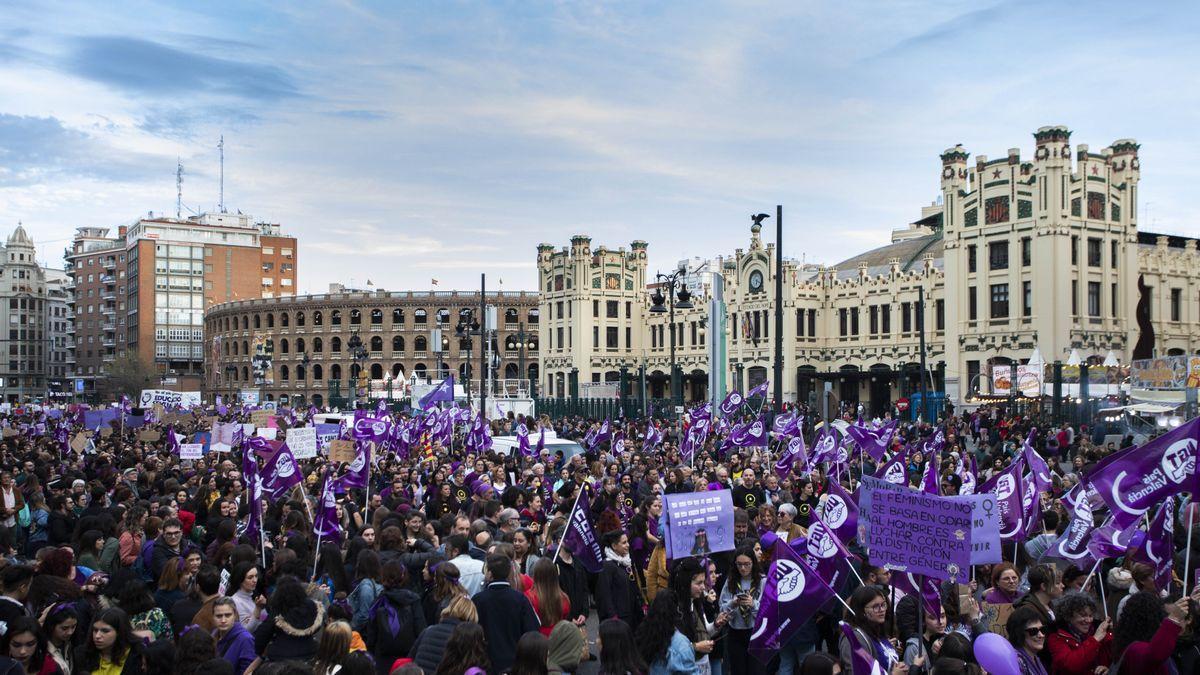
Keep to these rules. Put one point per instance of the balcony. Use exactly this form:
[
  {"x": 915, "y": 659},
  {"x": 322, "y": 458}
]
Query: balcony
[
  {"x": 108, "y": 279},
  {"x": 109, "y": 296},
  {"x": 108, "y": 326},
  {"x": 110, "y": 263},
  {"x": 108, "y": 309},
  {"x": 109, "y": 342}
]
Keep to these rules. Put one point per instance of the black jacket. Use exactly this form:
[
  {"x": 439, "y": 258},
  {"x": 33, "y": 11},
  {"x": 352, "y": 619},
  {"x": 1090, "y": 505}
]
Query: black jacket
[
  {"x": 617, "y": 595},
  {"x": 159, "y": 555},
  {"x": 292, "y": 636},
  {"x": 505, "y": 616},
  {"x": 573, "y": 580},
  {"x": 385, "y": 646},
  {"x": 430, "y": 646}
]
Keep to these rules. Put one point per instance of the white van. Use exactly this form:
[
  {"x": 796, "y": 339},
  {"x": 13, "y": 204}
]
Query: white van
[{"x": 554, "y": 444}]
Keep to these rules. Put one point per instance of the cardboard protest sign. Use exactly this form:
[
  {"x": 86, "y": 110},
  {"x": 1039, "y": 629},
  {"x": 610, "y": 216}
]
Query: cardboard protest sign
[
  {"x": 78, "y": 442},
  {"x": 260, "y": 418},
  {"x": 995, "y": 617},
  {"x": 106, "y": 432},
  {"x": 341, "y": 450},
  {"x": 327, "y": 433},
  {"x": 303, "y": 442},
  {"x": 149, "y": 436},
  {"x": 158, "y": 410},
  {"x": 191, "y": 451},
  {"x": 698, "y": 523},
  {"x": 920, "y": 533},
  {"x": 9, "y": 432}
]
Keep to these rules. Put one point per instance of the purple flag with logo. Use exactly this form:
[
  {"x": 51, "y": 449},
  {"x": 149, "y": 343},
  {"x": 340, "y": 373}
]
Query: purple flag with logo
[
  {"x": 787, "y": 424},
  {"x": 1008, "y": 488},
  {"x": 522, "y": 433},
  {"x": 654, "y": 436},
  {"x": 701, "y": 412},
  {"x": 1072, "y": 546},
  {"x": 793, "y": 453},
  {"x": 874, "y": 442},
  {"x": 604, "y": 433},
  {"x": 732, "y": 403},
  {"x": 358, "y": 474},
  {"x": 760, "y": 390},
  {"x": 825, "y": 552},
  {"x": 969, "y": 474},
  {"x": 840, "y": 512},
  {"x": 930, "y": 482},
  {"x": 325, "y": 523},
  {"x": 1037, "y": 465},
  {"x": 367, "y": 428},
  {"x": 825, "y": 448},
  {"x": 748, "y": 434},
  {"x": 1134, "y": 480},
  {"x": 906, "y": 584},
  {"x": 581, "y": 536},
  {"x": 1157, "y": 547},
  {"x": 894, "y": 470},
  {"x": 254, "y": 486},
  {"x": 793, "y": 593},
  {"x": 444, "y": 391},
  {"x": 1111, "y": 540},
  {"x": 280, "y": 473},
  {"x": 172, "y": 440}
]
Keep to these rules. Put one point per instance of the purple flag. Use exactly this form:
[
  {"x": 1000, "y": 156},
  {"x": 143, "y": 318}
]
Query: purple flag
[
  {"x": 1008, "y": 488},
  {"x": 443, "y": 392},
  {"x": 1157, "y": 547},
  {"x": 701, "y": 412},
  {"x": 861, "y": 663},
  {"x": 792, "y": 595},
  {"x": 1072, "y": 546},
  {"x": 580, "y": 537},
  {"x": 1037, "y": 466},
  {"x": 748, "y": 434},
  {"x": 280, "y": 473},
  {"x": 760, "y": 390},
  {"x": 172, "y": 440},
  {"x": 602, "y": 434},
  {"x": 825, "y": 552},
  {"x": 840, "y": 512},
  {"x": 969, "y": 474},
  {"x": 358, "y": 474},
  {"x": 1134, "y": 480},
  {"x": 930, "y": 483},
  {"x": 541, "y": 444},
  {"x": 825, "y": 448},
  {"x": 905, "y": 583},
  {"x": 787, "y": 424},
  {"x": 367, "y": 428},
  {"x": 874, "y": 442},
  {"x": 793, "y": 453},
  {"x": 654, "y": 436},
  {"x": 326, "y": 524},
  {"x": 732, "y": 403},
  {"x": 522, "y": 433},
  {"x": 1111, "y": 540},
  {"x": 250, "y": 475},
  {"x": 894, "y": 470}
]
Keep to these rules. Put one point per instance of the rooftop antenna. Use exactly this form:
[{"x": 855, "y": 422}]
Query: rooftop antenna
[
  {"x": 178, "y": 188},
  {"x": 221, "y": 200}
]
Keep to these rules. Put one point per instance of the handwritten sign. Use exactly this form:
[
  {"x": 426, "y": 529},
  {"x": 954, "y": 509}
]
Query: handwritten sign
[
  {"x": 269, "y": 433},
  {"x": 106, "y": 432},
  {"x": 260, "y": 418},
  {"x": 169, "y": 399},
  {"x": 191, "y": 451},
  {"x": 919, "y": 533},
  {"x": 303, "y": 442},
  {"x": 78, "y": 442},
  {"x": 341, "y": 450},
  {"x": 327, "y": 433}
]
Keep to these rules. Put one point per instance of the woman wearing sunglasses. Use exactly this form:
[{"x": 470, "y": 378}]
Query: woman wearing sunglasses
[{"x": 1027, "y": 634}]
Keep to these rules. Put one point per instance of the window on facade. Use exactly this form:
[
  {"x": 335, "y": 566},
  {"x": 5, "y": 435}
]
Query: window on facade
[
  {"x": 355, "y": 317},
  {"x": 596, "y": 309},
  {"x": 376, "y": 317},
  {"x": 335, "y": 345},
  {"x": 885, "y": 319},
  {"x": 874, "y": 319},
  {"x": 335, "y": 317},
  {"x": 1074, "y": 250},
  {"x": 1026, "y": 252},
  {"x": 1093, "y": 252},
  {"x": 1176, "y": 304},
  {"x": 971, "y": 257},
  {"x": 999, "y": 301},
  {"x": 1026, "y": 298},
  {"x": 854, "y": 321},
  {"x": 596, "y": 335},
  {"x": 610, "y": 337},
  {"x": 842, "y": 315},
  {"x": 1114, "y": 255},
  {"x": 812, "y": 323},
  {"x": 998, "y": 255},
  {"x": 972, "y": 307},
  {"x": 1074, "y": 298},
  {"x": 1093, "y": 298},
  {"x": 1112, "y": 307},
  {"x": 905, "y": 317},
  {"x": 420, "y": 316},
  {"x": 940, "y": 308},
  {"x": 560, "y": 339},
  {"x": 628, "y": 337},
  {"x": 611, "y": 309}
]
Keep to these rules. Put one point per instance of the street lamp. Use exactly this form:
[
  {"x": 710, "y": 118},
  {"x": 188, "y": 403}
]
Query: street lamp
[
  {"x": 671, "y": 282},
  {"x": 467, "y": 326},
  {"x": 304, "y": 361},
  {"x": 358, "y": 354},
  {"x": 523, "y": 339}
]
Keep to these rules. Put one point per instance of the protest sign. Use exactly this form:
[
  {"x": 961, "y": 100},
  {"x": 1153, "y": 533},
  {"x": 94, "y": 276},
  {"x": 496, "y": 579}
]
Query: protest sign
[
  {"x": 995, "y": 617},
  {"x": 260, "y": 418},
  {"x": 78, "y": 442},
  {"x": 106, "y": 432},
  {"x": 326, "y": 433},
  {"x": 158, "y": 411},
  {"x": 920, "y": 533},
  {"x": 303, "y": 442},
  {"x": 10, "y": 432},
  {"x": 168, "y": 399},
  {"x": 149, "y": 436},
  {"x": 341, "y": 450},
  {"x": 248, "y": 430},
  {"x": 269, "y": 433},
  {"x": 985, "y": 518},
  {"x": 698, "y": 523},
  {"x": 191, "y": 451}
]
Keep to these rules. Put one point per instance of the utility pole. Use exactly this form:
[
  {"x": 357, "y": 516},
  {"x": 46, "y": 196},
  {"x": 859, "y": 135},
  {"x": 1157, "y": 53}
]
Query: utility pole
[
  {"x": 483, "y": 342},
  {"x": 921, "y": 333},
  {"x": 178, "y": 188},
  {"x": 221, "y": 198},
  {"x": 778, "y": 307}
]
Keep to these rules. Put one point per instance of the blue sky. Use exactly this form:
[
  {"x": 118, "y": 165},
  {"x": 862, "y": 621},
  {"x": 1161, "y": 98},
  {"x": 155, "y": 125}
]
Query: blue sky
[{"x": 406, "y": 141}]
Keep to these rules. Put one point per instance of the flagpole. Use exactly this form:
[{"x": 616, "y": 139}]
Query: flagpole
[
  {"x": 570, "y": 514},
  {"x": 316, "y": 557},
  {"x": 1089, "y": 576},
  {"x": 1187, "y": 555},
  {"x": 855, "y": 572}
]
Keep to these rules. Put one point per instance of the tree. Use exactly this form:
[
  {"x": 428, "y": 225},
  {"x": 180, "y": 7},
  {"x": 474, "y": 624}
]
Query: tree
[{"x": 127, "y": 375}]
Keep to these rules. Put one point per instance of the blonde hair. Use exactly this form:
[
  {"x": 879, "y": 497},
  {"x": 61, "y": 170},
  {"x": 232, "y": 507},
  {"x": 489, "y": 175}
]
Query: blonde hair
[
  {"x": 334, "y": 646},
  {"x": 461, "y": 608}
]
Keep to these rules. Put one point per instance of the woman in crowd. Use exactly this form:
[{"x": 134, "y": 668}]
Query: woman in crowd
[
  {"x": 1146, "y": 632},
  {"x": 1027, "y": 634},
  {"x": 532, "y": 651},
  {"x": 619, "y": 654},
  {"x": 466, "y": 649},
  {"x": 430, "y": 646},
  {"x": 549, "y": 602},
  {"x": 442, "y": 585},
  {"x": 334, "y": 648},
  {"x": 59, "y": 624},
  {"x": 660, "y": 642},
  {"x": 110, "y": 647},
  {"x": 1005, "y": 582},
  {"x": 617, "y": 594},
  {"x": 293, "y": 621},
  {"x": 1082, "y": 642},
  {"x": 235, "y": 644},
  {"x": 25, "y": 642},
  {"x": 867, "y": 617},
  {"x": 739, "y": 600},
  {"x": 396, "y": 619}
]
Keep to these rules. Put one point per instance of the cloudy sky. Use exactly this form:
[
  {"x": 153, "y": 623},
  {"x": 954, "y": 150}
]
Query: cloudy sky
[{"x": 407, "y": 141}]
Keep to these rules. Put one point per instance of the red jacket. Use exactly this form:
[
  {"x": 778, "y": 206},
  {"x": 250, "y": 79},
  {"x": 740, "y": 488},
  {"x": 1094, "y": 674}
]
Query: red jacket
[
  {"x": 1150, "y": 658},
  {"x": 1071, "y": 656}
]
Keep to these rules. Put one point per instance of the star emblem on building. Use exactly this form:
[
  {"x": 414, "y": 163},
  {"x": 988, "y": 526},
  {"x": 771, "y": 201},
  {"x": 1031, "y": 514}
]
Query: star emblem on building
[{"x": 996, "y": 173}]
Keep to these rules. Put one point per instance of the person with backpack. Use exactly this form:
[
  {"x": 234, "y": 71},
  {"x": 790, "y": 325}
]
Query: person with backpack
[
  {"x": 366, "y": 587},
  {"x": 394, "y": 620}
]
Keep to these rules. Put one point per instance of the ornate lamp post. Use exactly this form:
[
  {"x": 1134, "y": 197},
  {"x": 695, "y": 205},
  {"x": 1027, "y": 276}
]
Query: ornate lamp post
[
  {"x": 304, "y": 362},
  {"x": 467, "y": 326},
  {"x": 673, "y": 282}
]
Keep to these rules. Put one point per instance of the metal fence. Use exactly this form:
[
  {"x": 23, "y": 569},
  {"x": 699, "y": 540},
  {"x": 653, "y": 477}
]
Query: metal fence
[{"x": 602, "y": 408}]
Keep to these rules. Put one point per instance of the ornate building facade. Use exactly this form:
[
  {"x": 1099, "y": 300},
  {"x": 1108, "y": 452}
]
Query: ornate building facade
[
  {"x": 298, "y": 348},
  {"x": 1016, "y": 258}
]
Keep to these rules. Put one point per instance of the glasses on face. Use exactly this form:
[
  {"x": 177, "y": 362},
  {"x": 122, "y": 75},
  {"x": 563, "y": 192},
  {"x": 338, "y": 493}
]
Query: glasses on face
[
  {"x": 173, "y": 533},
  {"x": 877, "y": 607},
  {"x": 1035, "y": 630},
  {"x": 747, "y": 563}
]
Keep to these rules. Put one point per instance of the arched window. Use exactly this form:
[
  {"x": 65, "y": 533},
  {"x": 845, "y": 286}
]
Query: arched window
[
  {"x": 299, "y": 345},
  {"x": 511, "y": 316},
  {"x": 283, "y": 372},
  {"x": 419, "y": 370},
  {"x": 226, "y": 346},
  {"x": 398, "y": 343},
  {"x": 464, "y": 372},
  {"x": 318, "y": 372},
  {"x": 245, "y": 374},
  {"x": 376, "y": 317},
  {"x": 300, "y": 372},
  {"x": 355, "y": 317},
  {"x": 335, "y": 317},
  {"x": 335, "y": 344},
  {"x": 318, "y": 345},
  {"x": 257, "y": 322},
  {"x": 420, "y": 316},
  {"x": 397, "y": 371},
  {"x": 269, "y": 346},
  {"x": 510, "y": 343},
  {"x": 534, "y": 313},
  {"x": 420, "y": 344},
  {"x": 376, "y": 371},
  {"x": 271, "y": 320},
  {"x": 283, "y": 346},
  {"x": 443, "y": 315},
  {"x": 245, "y": 347},
  {"x": 245, "y": 323},
  {"x": 233, "y": 374},
  {"x": 376, "y": 343},
  {"x": 397, "y": 316},
  {"x": 318, "y": 319},
  {"x": 511, "y": 372},
  {"x": 335, "y": 372},
  {"x": 533, "y": 373}
]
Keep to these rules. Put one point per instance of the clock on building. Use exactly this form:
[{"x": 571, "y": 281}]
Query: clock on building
[{"x": 756, "y": 281}]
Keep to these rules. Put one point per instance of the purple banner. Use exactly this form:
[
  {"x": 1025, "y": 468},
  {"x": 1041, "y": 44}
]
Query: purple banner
[
  {"x": 698, "y": 523},
  {"x": 1134, "y": 480},
  {"x": 792, "y": 595},
  {"x": 840, "y": 512},
  {"x": 443, "y": 392},
  {"x": 580, "y": 537},
  {"x": 873, "y": 441},
  {"x": 1008, "y": 488},
  {"x": 921, "y": 534}
]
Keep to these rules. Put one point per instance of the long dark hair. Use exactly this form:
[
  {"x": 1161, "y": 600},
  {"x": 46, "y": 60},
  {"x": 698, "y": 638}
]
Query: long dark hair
[
  {"x": 466, "y": 649},
  {"x": 124, "y": 646},
  {"x": 530, "y": 658},
  {"x": 331, "y": 564},
  {"x": 735, "y": 575},
  {"x": 859, "y": 599},
  {"x": 195, "y": 647},
  {"x": 681, "y": 583},
  {"x": 26, "y": 624},
  {"x": 655, "y": 631},
  {"x": 618, "y": 653},
  {"x": 1141, "y": 617},
  {"x": 135, "y": 597}
]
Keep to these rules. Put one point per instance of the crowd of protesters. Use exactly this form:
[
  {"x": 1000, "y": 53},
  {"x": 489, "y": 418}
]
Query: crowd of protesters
[{"x": 120, "y": 557}]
